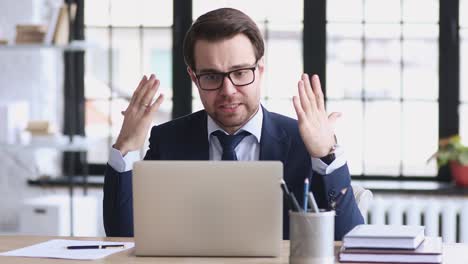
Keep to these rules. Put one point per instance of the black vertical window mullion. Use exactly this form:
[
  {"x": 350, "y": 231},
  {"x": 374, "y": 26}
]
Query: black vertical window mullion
[
  {"x": 314, "y": 40},
  {"x": 181, "y": 83},
  {"x": 74, "y": 101},
  {"x": 449, "y": 73}
]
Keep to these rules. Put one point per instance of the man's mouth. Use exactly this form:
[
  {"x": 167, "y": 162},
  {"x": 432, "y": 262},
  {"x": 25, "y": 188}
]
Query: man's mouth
[{"x": 230, "y": 107}]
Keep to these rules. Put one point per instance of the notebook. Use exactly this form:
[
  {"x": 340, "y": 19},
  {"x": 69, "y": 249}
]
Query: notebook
[
  {"x": 384, "y": 236},
  {"x": 430, "y": 251}
]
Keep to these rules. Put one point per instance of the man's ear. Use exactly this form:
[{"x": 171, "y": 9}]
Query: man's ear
[
  {"x": 261, "y": 65},
  {"x": 192, "y": 75}
]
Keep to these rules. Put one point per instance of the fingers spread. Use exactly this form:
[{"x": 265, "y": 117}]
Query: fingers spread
[
  {"x": 309, "y": 92},
  {"x": 304, "y": 99},
  {"x": 141, "y": 93},
  {"x": 138, "y": 89},
  {"x": 149, "y": 93},
  {"x": 317, "y": 89},
  {"x": 299, "y": 111},
  {"x": 155, "y": 106}
]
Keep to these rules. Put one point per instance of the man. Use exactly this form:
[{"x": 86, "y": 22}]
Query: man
[{"x": 224, "y": 53}]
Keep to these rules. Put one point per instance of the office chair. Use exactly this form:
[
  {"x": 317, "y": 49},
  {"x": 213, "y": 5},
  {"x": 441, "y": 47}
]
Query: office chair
[{"x": 363, "y": 199}]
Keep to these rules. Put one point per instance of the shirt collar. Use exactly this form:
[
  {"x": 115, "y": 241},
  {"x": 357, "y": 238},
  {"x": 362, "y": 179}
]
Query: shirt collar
[{"x": 253, "y": 126}]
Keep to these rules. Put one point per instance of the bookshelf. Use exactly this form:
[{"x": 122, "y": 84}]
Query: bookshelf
[{"x": 73, "y": 46}]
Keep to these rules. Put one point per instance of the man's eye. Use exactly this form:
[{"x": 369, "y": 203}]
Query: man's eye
[
  {"x": 241, "y": 73},
  {"x": 211, "y": 77}
]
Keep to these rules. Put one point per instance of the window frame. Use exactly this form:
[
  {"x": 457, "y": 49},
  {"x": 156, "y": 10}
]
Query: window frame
[{"x": 314, "y": 46}]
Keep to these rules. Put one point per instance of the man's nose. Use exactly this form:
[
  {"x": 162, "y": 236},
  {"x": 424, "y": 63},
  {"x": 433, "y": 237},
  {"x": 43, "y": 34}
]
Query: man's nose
[{"x": 228, "y": 87}]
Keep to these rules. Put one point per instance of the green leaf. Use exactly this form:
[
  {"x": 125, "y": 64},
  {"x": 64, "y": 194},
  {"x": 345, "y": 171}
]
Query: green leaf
[{"x": 463, "y": 158}]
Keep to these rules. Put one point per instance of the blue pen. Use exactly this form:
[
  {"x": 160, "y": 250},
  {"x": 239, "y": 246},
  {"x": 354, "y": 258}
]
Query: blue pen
[{"x": 306, "y": 193}]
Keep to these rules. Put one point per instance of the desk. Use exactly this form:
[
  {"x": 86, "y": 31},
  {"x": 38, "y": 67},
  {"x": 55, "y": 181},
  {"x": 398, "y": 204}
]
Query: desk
[{"x": 453, "y": 253}]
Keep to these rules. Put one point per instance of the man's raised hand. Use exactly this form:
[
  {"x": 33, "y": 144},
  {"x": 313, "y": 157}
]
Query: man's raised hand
[
  {"x": 138, "y": 115},
  {"x": 315, "y": 126}
]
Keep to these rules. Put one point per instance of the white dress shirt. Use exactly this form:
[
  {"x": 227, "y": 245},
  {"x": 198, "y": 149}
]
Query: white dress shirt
[{"x": 248, "y": 148}]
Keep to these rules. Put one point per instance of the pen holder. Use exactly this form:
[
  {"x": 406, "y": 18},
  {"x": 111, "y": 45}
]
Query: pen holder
[{"x": 312, "y": 237}]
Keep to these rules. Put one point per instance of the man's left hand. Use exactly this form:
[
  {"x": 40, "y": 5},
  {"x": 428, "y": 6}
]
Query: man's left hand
[{"x": 316, "y": 127}]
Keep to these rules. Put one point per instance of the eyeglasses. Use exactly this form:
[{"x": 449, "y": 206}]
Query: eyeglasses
[{"x": 214, "y": 80}]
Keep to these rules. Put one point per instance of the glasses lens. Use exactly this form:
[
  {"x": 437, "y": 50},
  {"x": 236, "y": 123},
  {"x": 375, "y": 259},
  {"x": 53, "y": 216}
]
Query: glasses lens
[
  {"x": 242, "y": 76},
  {"x": 211, "y": 81}
]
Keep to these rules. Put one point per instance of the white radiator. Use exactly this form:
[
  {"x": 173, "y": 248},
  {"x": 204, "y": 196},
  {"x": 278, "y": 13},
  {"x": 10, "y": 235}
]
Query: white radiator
[{"x": 442, "y": 216}]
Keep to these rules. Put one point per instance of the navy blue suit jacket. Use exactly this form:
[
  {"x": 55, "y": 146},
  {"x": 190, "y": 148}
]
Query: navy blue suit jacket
[{"x": 186, "y": 138}]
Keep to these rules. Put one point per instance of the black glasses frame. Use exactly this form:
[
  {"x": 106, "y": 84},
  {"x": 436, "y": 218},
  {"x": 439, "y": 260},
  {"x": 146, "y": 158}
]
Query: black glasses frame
[{"x": 228, "y": 74}]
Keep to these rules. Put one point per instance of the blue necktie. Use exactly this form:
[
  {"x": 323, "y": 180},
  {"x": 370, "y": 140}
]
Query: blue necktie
[{"x": 229, "y": 143}]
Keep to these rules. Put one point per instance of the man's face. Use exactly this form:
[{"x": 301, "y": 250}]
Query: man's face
[{"x": 230, "y": 106}]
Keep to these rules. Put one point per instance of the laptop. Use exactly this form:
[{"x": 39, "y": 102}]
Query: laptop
[{"x": 208, "y": 208}]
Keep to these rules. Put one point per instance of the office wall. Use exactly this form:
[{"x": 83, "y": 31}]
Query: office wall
[{"x": 31, "y": 74}]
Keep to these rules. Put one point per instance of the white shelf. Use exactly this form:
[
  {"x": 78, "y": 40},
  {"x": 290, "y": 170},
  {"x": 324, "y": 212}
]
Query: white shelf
[
  {"x": 74, "y": 46},
  {"x": 61, "y": 143}
]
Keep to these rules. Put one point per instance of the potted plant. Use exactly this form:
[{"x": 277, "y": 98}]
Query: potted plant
[{"x": 452, "y": 152}]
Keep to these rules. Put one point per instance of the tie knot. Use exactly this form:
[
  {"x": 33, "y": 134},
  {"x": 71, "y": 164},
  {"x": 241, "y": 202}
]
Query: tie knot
[{"x": 229, "y": 143}]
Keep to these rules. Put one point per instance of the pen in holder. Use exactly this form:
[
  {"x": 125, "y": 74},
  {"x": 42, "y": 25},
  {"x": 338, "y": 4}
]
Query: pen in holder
[{"x": 312, "y": 237}]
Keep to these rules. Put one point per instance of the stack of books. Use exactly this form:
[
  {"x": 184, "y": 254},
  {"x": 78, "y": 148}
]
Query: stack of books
[
  {"x": 390, "y": 244},
  {"x": 27, "y": 34},
  {"x": 40, "y": 128}
]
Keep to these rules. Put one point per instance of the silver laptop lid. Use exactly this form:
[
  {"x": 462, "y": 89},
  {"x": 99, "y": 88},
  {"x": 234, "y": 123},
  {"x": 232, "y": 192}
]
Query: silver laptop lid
[{"x": 207, "y": 208}]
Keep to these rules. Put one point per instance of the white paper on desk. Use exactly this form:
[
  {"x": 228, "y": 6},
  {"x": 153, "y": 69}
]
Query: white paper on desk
[{"x": 57, "y": 248}]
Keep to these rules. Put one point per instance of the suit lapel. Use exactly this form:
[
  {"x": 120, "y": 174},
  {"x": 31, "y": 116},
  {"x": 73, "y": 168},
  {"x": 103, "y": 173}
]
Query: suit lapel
[
  {"x": 197, "y": 148},
  {"x": 274, "y": 143}
]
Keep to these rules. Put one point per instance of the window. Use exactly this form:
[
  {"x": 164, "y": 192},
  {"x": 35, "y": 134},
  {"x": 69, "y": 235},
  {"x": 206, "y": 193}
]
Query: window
[
  {"x": 281, "y": 26},
  {"x": 129, "y": 39},
  {"x": 382, "y": 73},
  {"x": 464, "y": 71},
  {"x": 382, "y": 63}
]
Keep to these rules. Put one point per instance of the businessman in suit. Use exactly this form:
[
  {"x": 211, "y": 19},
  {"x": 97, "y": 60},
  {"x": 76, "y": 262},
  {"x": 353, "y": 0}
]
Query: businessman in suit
[{"x": 224, "y": 53}]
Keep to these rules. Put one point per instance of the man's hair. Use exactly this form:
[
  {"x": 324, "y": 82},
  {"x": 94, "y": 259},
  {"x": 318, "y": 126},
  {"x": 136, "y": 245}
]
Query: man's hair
[{"x": 220, "y": 24}]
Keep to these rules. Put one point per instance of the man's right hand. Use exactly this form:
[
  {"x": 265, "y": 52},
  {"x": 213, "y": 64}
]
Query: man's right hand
[{"x": 138, "y": 116}]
